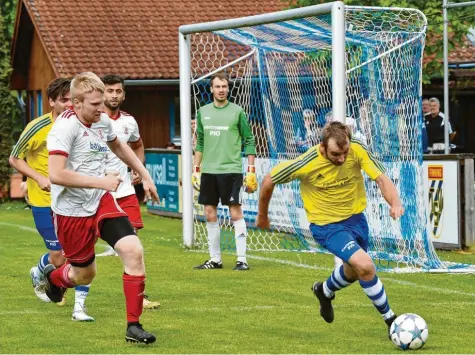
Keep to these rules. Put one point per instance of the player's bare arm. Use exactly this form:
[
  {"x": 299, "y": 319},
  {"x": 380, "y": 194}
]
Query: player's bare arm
[
  {"x": 267, "y": 188},
  {"x": 125, "y": 153},
  {"x": 22, "y": 166},
  {"x": 139, "y": 150},
  {"x": 391, "y": 196},
  {"x": 59, "y": 175}
]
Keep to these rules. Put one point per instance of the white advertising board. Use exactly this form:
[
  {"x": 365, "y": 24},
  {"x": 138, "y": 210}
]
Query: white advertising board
[{"x": 441, "y": 189}]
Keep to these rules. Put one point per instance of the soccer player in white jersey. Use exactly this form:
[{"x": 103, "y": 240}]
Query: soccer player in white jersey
[
  {"x": 127, "y": 130},
  {"x": 83, "y": 208}
]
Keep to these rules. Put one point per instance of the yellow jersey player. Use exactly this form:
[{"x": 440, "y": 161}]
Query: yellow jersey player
[{"x": 334, "y": 197}]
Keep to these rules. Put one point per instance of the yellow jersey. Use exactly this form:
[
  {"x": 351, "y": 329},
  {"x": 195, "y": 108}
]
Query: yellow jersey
[
  {"x": 32, "y": 147},
  {"x": 330, "y": 193}
]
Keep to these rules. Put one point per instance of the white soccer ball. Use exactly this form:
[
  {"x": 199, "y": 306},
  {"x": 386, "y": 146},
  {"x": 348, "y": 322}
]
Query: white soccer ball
[{"x": 409, "y": 331}]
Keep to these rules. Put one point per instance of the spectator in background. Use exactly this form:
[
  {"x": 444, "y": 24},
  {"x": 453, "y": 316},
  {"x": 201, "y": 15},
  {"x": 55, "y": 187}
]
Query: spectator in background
[
  {"x": 170, "y": 146},
  {"x": 310, "y": 136},
  {"x": 425, "y": 112},
  {"x": 434, "y": 123}
]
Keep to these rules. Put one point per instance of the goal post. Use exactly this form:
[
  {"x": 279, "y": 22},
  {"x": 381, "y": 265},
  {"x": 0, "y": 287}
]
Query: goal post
[
  {"x": 292, "y": 72},
  {"x": 337, "y": 11}
]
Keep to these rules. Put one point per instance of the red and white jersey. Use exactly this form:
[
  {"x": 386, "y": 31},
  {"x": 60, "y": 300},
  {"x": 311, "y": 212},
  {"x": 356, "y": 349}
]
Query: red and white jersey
[
  {"x": 86, "y": 149},
  {"x": 127, "y": 130}
]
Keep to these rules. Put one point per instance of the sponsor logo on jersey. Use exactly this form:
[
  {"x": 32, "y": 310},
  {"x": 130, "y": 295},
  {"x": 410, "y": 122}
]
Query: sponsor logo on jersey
[
  {"x": 96, "y": 147},
  {"x": 85, "y": 134},
  {"x": 126, "y": 130}
]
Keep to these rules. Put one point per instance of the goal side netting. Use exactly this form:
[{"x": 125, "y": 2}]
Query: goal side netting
[{"x": 281, "y": 74}]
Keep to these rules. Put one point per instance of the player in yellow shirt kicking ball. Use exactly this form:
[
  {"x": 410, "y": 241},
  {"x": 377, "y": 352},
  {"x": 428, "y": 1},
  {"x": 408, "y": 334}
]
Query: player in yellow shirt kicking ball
[{"x": 334, "y": 197}]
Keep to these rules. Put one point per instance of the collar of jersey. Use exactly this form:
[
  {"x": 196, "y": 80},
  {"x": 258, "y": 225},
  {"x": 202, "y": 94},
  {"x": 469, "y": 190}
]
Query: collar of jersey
[{"x": 220, "y": 108}]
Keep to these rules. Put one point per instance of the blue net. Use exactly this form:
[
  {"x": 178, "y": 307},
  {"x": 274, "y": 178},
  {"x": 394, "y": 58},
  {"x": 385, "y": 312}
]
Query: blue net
[{"x": 280, "y": 73}]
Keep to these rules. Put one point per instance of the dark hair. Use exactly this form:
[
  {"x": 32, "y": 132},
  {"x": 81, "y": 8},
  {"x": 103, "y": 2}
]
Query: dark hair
[
  {"x": 112, "y": 79},
  {"x": 170, "y": 145},
  {"x": 58, "y": 88},
  {"x": 341, "y": 132},
  {"x": 220, "y": 76}
]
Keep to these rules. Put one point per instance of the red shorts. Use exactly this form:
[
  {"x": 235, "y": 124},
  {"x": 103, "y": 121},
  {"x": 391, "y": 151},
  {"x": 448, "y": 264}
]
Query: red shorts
[
  {"x": 78, "y": 235},
  {"x": 130, "y": 205}
]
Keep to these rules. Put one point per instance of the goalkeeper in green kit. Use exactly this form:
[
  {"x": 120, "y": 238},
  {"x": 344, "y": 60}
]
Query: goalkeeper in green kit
[{"x": 223, "y": 133}]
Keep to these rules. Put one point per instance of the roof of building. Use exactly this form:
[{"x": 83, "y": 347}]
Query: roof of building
[{"x": 135, "y": 38}]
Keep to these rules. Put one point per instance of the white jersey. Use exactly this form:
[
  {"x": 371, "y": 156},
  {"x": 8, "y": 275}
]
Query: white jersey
[
  {"x": 127, "y": 130},
  {"x": 86, "y": 149}
]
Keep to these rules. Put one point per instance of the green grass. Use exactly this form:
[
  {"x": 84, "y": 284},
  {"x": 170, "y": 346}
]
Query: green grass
[{"x": 269, "y": 309}]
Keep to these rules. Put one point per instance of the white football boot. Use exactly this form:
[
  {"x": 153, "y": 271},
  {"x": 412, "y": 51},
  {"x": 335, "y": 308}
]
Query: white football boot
[
  {"x": 37, "y": 279},
  {"x": 80, "y": 314}
]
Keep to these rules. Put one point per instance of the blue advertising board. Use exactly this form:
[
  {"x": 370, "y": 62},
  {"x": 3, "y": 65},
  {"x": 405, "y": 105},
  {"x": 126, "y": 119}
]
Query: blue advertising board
[{"x": 165, "y": 168}]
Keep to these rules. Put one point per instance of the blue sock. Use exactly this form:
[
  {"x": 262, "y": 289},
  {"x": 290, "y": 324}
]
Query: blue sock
[
  {"x": 81, "y": 294},
  {"x": 336, "y": 282},
  {"x": 44, "y": 260},
  {"x": 374, "y": 289}
]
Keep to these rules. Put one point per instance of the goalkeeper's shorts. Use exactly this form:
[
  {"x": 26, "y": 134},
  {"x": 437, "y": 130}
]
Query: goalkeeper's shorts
[{"x": 220, "y": 187}]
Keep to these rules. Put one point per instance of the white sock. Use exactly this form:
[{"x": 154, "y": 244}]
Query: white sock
[
  {"x": 80, "y": 294},
  {"x": 240, "y": 234},
  {"x": 214, "y": 241}
]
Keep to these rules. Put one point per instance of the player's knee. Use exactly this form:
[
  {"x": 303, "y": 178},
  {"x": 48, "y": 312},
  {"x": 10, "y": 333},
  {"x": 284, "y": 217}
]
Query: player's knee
[
  {"x": 366, "y": 270},
  {"x": 130, "y": 249},
  {"x": 211, "y": 214},
  {"x": 56, "y": 258},
  {"x": 84, "y": 276},
  {"x": 236, "y": 212}
]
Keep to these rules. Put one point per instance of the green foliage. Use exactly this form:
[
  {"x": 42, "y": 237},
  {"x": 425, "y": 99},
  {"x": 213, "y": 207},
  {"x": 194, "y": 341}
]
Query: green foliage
[
  {"x": 8, "y": 10},
  {"x": 460, "y": 21},
  {"x": 9, "y": 111}
]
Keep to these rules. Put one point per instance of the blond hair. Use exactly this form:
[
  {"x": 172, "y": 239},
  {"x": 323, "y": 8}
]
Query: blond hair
[{"x": 85, "y": 83}]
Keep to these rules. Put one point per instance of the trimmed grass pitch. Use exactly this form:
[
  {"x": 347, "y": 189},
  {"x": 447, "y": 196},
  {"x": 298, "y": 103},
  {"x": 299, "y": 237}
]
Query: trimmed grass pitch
[{"x": 269, "y": 309}]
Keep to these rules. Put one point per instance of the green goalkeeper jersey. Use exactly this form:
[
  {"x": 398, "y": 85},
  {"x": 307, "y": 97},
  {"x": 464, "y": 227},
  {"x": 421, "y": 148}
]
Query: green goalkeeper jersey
[{"x": 223, "y": 133}]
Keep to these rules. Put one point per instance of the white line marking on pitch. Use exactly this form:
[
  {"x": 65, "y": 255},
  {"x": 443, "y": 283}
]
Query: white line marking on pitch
[
  {"x": 300, "y": 265},
  {"x": 29, "y": 229},
  {"x": 314, "y": 267}
]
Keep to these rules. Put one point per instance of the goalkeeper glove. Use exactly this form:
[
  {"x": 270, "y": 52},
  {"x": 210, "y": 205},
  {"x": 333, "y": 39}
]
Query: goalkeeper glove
[
  {"x": 250, "y": 180},
  {"x": 196, "y": 177}
]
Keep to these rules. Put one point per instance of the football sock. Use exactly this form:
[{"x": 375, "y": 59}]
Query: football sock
[
  {"x": 60, "y": 278},
  {"x": 81, "y": 294},
  {"x": 134, "y": 287},
  {"x": 44, "y": 260},
  {"x": 214, "y": 241},
  {"x": 374, "y": 289},
  {"x": 336, "y": 282},
  {"x": 240, "y": 235}
]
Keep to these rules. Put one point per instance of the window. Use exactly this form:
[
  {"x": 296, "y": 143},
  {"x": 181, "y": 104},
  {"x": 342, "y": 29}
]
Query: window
[{"x": 39, "y": 103}]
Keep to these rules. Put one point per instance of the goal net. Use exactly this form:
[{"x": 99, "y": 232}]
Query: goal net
[{"x": 281, "y": 74}]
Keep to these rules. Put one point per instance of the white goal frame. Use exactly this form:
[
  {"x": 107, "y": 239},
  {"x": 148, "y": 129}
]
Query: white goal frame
[{"x": 337, "y": 11}]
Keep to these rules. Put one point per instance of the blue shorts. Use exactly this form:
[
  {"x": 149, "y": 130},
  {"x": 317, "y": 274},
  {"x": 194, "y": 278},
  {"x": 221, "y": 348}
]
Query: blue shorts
[
  {"x": 343, "y": 238},
  {"x": 44, "y": 225}
]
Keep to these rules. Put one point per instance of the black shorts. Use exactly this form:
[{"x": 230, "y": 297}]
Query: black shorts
[{"x": 224, "y": 187}]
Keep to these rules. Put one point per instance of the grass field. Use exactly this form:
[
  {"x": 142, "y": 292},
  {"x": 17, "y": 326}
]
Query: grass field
[{"x": 269, "y": 309}]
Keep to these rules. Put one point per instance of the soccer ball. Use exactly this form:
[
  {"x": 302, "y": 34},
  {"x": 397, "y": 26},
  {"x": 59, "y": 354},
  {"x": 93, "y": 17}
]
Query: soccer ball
[{"x": 409, "y": 331}]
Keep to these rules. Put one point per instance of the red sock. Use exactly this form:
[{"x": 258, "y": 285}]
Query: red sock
[
  {"x": 59, "y": 277},
  {"x": 134, "y": 287}
]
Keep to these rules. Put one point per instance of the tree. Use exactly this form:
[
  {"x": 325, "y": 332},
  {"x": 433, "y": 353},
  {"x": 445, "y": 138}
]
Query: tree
[
  {"x": 9, "y": 111},
  {"x": 8, "y": 10},
  {"x": 460, "y": 21}
]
